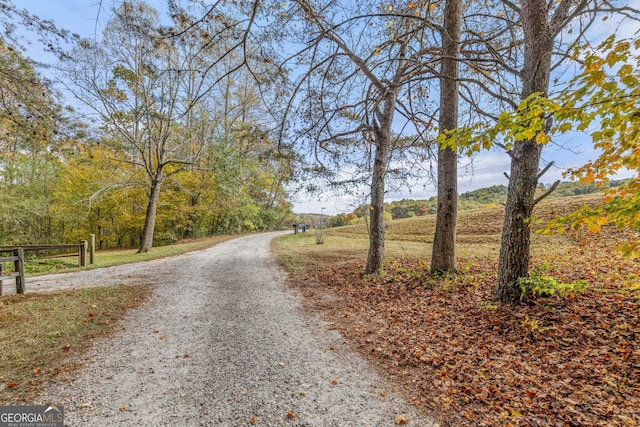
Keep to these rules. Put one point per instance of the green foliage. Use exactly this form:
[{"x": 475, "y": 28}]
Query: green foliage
[
  {"x": 606, "y": 95},
  {"x": 218, "y": 170},
  {"x": 537, "y": 285}
]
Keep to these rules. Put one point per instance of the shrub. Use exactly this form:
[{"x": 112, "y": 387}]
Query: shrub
[{"x": 546, "y": 286}]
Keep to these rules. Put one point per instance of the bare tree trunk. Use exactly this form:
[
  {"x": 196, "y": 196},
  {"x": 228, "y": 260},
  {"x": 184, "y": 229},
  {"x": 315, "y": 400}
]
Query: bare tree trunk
[
  {"x": 375, "y": 257},
  {"x": 382, "y": 135},
  {"x": 146, "y": 242},
  {"x": 525, "y": 157},
  {"x": 443, "y": 257}
]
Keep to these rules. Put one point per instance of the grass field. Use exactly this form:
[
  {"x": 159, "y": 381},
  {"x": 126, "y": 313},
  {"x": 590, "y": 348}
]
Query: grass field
[{"x": 571, "y": 359}]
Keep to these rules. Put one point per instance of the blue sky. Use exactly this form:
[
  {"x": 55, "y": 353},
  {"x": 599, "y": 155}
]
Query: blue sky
[{"x": 85, "y": 18}]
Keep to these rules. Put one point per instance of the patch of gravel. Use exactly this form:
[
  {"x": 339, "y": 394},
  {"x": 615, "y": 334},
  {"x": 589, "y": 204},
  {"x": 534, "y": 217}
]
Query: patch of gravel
[{"x": 222, "y": 342}]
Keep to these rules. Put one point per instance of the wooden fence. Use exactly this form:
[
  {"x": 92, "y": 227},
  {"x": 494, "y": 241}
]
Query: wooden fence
[
  {"x": 79, "y": 250},
  {"x": 18, "y": 273}
]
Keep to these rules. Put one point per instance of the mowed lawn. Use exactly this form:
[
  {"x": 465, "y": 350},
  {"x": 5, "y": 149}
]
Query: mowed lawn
[{"x": 562, "y": 360}]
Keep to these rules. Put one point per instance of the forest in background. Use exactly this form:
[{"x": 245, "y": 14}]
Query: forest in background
[{"x": 65, "y": 173}]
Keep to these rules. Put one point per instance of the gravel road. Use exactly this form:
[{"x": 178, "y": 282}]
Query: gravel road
[{"x": 222, "y": 342}]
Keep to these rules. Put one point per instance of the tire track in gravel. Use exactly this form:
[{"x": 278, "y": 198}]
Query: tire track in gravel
[{"x": 222, "y": 342}]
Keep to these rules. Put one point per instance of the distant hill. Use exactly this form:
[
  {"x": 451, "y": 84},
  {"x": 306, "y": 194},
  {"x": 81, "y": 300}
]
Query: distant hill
[{"x": 484, "y": 197}]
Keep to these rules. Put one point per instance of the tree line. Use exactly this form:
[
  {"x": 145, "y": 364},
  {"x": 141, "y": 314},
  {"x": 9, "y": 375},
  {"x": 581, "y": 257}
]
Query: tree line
[
  {"x": 489, "y": 197},
  {"x": 164, "y": 143}
]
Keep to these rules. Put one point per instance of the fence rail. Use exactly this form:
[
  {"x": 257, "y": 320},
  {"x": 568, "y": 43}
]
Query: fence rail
[{"x": 80, "y": 250}]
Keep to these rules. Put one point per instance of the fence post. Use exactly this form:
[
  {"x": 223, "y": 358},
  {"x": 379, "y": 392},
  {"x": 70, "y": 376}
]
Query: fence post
[
  {"x": 92, "y": 248},
  {"x": 1, "y": 281},
  {"x": 82, "y": 255},
  {"x": 19, "y": 268}
]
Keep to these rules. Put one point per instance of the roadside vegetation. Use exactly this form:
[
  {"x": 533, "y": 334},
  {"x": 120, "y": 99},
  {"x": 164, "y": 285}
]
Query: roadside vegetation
[
  {"x": 567, "y": 355},
  {"x": 41, "y": 332},
  {"x": 44, "y": 265}
]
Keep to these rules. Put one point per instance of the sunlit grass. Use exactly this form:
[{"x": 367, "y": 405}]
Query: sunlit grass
[
  {"x": 116, "y": 257},
  {"x": 478, "y": 236}
]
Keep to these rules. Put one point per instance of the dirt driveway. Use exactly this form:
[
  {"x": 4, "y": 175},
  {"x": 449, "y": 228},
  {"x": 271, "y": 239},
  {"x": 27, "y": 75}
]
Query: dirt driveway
[{"x": 222, "y": 342}]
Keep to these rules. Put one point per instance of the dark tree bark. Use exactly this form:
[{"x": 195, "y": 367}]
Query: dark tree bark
[
  {"x": 146, "y": 241},
  {"x": 525, "y": 156},
  {"x": 443, "y": 256},
  {"x": 375, "y": 257}
]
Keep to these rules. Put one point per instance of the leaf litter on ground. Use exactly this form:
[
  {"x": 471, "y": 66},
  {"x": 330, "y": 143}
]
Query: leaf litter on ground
[{"x": 455, "y": 353}]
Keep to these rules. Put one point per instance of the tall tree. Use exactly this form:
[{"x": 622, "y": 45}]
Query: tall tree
[
  {"x": 542, "y": 24},
  {"x": 444, "y": 255},
  {"x": 144, "y": 80},
  {"x": 29, "y": 120},
  {"x": 361, "y": 68}
]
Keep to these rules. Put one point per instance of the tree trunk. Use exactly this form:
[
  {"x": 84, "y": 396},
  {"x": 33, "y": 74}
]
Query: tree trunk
[
  {"x": 375, "y": 258},
  {"x": 382, "y": 135},
  {"x": 525, "y": 157},
  {"x": 443, "y": 257},
  {"x": 516, "y": 230},
  {"x": 146, "y": 242}
]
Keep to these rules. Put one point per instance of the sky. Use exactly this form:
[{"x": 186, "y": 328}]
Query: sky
[{"x": 85, "y": 17}]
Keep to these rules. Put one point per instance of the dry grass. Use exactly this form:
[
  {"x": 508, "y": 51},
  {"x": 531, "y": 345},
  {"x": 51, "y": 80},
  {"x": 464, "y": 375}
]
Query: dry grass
[
  {"x": 40, "y": 332},
  {"x": 469, "y": 361}
]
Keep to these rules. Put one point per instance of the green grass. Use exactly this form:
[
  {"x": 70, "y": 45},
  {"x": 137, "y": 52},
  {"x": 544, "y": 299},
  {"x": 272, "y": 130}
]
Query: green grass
[
  {"x": 124, "y": 256},
  {"x": 478, "y": 235},
  {"x": 113, "y": 257}
]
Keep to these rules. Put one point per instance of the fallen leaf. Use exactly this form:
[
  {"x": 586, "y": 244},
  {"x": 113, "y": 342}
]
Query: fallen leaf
[
  {"x": 66, "y": 347},
  {"x": 121, "y": 408},
  {"x": 383, "y": 393},
  {"x": 37, "y": 371},
  {"x": 11, "y": 385},
  {"x": 302, "y": 393},
  {"x": 334, "y": 382},
  {"x": 291, "y": 415},
  {"x": 252, "y": 420},
  {"x": 162, "y": 337},
  {"x": 184, "y": 356},
  {"x": 401, "y": 419},
  {"x": 628, "y": 421},
  {"x": 85, "y": 405}
]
